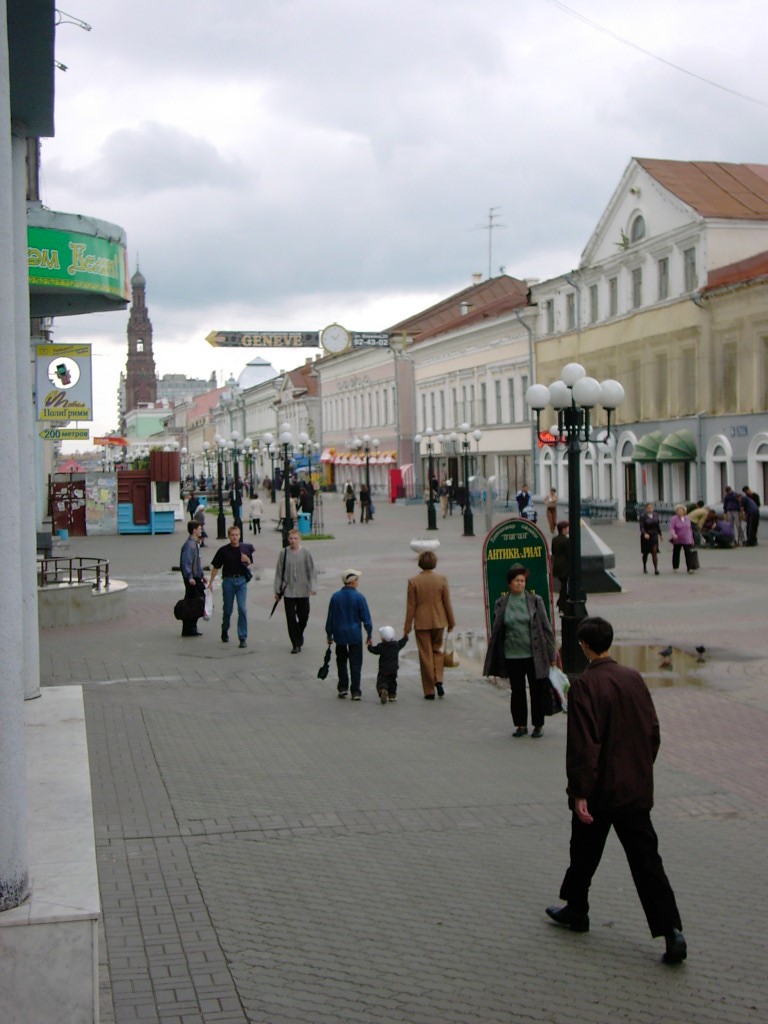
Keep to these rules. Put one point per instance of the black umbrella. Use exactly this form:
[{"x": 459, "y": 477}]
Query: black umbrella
[{"x": 322, "y": 672}]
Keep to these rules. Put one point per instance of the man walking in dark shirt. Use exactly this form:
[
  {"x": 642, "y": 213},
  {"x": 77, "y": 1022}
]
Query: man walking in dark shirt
[
  {"x": 613, "y": 739},
  {"x": 234, "y": 560}
]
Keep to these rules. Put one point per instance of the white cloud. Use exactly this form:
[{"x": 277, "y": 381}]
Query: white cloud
[{"x": 292, "y": 162}]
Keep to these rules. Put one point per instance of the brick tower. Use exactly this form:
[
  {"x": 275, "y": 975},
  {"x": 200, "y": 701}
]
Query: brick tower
[{"x": 140, "y": 376}]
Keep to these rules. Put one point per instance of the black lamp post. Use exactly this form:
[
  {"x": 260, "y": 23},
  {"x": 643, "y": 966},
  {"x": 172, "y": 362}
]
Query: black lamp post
[
  {"x": 286, "y": 440},
  {"x": 236, "y": 487},
  {"x": 221, "y": 523},
  {"x": 248, "y": 453},
  {"x": 573, "y": 396},
  {"x": 269, "y": 441},
  {"x": 206, "y": 459},
  {"x": 466, "y": 444},
  {"x": 431, "y": 514}
]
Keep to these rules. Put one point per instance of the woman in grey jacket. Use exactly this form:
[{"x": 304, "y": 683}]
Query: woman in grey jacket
[{"x": 522, "y": 646}]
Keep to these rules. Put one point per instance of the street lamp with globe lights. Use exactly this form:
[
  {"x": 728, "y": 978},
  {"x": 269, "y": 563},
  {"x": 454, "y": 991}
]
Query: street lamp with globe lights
[
  {"x": 221, "y": 523},
  {"x": 286, "y": 440},
  {"x": 234, "y": 447},
  {"x": 248, "y": 452},
  {"x": 369, "y": 443},
  {"x": 573, "y": 397},
  {"x": 431, "y": 514},
  {"x": 269, "y": 443},
  {"x": 466, "y": 445}
]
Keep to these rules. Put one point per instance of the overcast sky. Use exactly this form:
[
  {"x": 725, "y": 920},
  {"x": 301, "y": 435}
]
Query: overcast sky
[{"x": 282, "y": 164}]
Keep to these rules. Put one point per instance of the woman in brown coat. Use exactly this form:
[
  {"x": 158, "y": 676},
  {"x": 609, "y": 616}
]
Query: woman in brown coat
[
  {"x": 522, "y": 646},
  {"x": 429, "y": 612}
]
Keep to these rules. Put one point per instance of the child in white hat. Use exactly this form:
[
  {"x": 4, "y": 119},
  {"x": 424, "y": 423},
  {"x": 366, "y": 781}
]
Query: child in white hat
[{"x": 389, "y": 662}]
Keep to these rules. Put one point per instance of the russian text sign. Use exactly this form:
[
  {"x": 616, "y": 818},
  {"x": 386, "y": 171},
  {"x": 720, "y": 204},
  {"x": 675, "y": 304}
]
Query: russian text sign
[{"x": 515, "y": 540}]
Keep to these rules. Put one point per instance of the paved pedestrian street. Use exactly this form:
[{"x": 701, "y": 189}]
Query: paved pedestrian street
[{"x": 269, "y": 853}]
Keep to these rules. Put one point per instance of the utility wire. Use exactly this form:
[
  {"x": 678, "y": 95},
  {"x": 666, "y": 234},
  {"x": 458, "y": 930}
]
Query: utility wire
[{"x": 655, "y": 56}]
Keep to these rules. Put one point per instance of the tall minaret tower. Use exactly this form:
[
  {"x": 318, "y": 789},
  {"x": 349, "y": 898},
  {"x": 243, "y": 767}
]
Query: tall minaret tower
[{"x": 140, "y": 376}]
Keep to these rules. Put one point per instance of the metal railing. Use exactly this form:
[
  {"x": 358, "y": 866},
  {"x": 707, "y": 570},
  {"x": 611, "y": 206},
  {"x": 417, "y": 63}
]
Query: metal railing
[{"x": 73, "y": 571}]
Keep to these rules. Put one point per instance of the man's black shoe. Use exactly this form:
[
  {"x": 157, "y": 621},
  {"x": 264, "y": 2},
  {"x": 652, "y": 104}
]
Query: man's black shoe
[
  {"x": 677, "y": 948},
  {"x": 243, "y": 643},
  {"x": 566, "y": 917},
  {"x": 440, "y": 689},
  {"x": 224, "y": 637}
]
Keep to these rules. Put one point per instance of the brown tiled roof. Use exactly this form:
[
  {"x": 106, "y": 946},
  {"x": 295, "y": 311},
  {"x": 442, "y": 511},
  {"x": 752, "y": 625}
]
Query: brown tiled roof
[
  {"x": 489, "y": 298},
  {"x": 731, "y": 191},
  {"x": 742, "y": 272},
  {"x": 305, "y": 377},
  {"x": 202, "y": 404}
]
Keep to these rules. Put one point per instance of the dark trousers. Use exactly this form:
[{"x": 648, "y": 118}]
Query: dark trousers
[
  {"x": 194, "y": 589},
  {"x": 352, "y": 655},
  {"x": 519, "y": 670},
  {"x": 296, "y": 615},
  {"x": 387, "y": 682},
  {"x": 688, "y": 550},
  {"x": 753, "y": 521},
  {"x": 641, "y": 846}
]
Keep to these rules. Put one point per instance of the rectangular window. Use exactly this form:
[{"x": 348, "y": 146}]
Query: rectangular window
[
  {"x": 385, "y": 410},
  {"x": 689, "y": 269},
  {"x": 497, "y": 391},
  {"x": 613, "y": 297},
  {"x": 424, "y": 423},
  {"x": 523, "y": 389},
  {"x": 637, "y": 287},
  {"x": 593, "y": 304},
  {"x": 433, "y": 422},
  {"x": 483, "y": 402},
  {"x": 570, "y": 311},
  {"x": 455, "y": 404},
  {"x": 550, "y": 305},
  {"x": 664, "y": 278},
  {"x": 730, "y": 382},
  {"x": 443, "y": 421},
  {"x": 511, "y": 395}
]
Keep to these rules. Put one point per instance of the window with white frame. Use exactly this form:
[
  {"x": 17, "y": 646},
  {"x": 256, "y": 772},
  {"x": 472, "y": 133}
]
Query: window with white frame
[
  {"x": 497, "y": 395},
  {"x": 613, "y": 296},
  {"x": 663, "y": 267},
  {"x": 637, "y": 287},
  {"x": 570, "y": 311},
  {"x": 550, "y": 311},
  {"x": 689, "y": 269},
  {"x": 511, "y": 397},
  {"x": 593, "y": 304}
]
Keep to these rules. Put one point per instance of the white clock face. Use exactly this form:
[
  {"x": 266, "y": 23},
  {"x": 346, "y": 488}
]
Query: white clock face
[{"x": 334, "y": 338}]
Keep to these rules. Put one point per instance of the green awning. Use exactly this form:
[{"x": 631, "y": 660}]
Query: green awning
[
  {"x": 647, "y": 447},
  {"x": 677, "y": 447}
]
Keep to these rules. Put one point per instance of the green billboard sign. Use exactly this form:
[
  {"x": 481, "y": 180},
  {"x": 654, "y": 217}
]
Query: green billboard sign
[
  {"x": 66, "y": 259},
  {"x": 515, "y": 540}
]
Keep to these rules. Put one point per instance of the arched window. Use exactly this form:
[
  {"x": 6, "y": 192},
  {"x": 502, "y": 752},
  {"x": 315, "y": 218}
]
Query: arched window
[
  {"x": 139, "y": 345},
  {"x": 637, "y": 231}
]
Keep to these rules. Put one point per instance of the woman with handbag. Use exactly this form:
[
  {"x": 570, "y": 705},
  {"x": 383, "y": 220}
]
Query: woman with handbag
[
  {"x": 681, "y": 536},
  {"x": 522, "y": 646}
]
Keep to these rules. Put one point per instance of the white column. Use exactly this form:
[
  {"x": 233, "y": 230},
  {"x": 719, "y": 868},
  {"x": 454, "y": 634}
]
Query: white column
[
  {"x": 28, "y": 523},
  {"x": 13, "y": 786}
]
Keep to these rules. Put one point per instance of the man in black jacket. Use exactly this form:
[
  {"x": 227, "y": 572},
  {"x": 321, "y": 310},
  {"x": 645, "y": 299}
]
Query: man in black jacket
[{"x": 613, "y": 739}]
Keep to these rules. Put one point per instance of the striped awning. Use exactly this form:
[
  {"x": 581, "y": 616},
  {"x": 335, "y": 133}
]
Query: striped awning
[
  {"x": 679, "y": 446},
  {"x": 647, "y": 448}
]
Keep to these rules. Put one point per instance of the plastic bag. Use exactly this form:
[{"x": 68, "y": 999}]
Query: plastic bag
[
  {"x": 561, "y": 683},
  {"x": 450, "y": 658},
  {"x": 208, "y": 604}
]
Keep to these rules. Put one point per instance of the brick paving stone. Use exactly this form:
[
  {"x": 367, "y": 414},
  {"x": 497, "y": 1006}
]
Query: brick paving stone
[{"x": 269, "y": 853}]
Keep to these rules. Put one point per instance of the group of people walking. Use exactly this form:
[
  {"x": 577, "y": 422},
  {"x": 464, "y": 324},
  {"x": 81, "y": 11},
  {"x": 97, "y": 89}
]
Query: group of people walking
[{"x": 610, "y": 779}]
